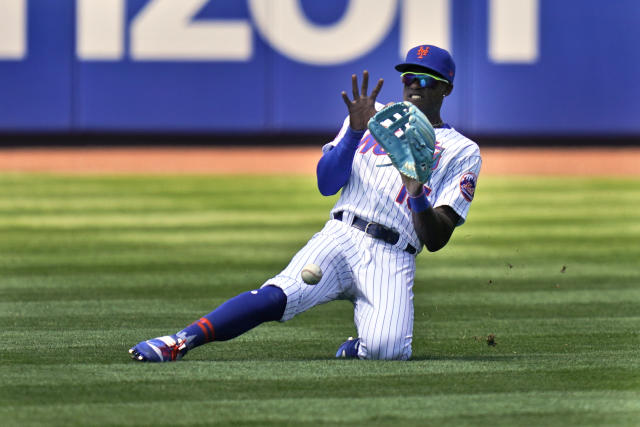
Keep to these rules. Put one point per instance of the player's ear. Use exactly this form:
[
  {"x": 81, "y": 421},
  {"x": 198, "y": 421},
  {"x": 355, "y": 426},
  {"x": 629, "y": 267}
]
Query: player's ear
[{"x": 448, "y": 90}]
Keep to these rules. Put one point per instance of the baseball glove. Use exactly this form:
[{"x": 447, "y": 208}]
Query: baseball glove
[{"x": 407, "y": 137}]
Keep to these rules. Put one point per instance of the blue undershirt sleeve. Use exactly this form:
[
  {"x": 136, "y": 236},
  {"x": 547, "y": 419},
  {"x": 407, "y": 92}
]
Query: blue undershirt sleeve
[{"x": 334, "y": 168}]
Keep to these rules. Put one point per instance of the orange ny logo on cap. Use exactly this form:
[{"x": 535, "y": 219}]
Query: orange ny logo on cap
[{"x": 422, "y": 52}]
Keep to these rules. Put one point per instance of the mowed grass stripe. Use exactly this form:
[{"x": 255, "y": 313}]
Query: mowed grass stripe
[
  {"x": 178, "y": 240},
  {"x": 547, "y": 216},
  {"x": 217, "y": 234},
  {"x": 489, "y": 299},
  {"x": 155, "y": 220},
  {"x": 553, "y": 407},
  {"x": 64, "y": 373},
  {"x": 293, "y": 388},
  {"x": 436, "y": 341},
  {"x": 142, "y": 259}
]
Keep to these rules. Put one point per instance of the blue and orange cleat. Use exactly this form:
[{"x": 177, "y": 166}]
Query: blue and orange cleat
[
  {"x": 161, "y": 349},
  {"x": 349, "y": 349}
]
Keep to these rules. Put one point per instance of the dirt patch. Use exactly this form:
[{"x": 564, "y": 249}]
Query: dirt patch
[
  {"x": 516, "y": 161},
  {"x": 557, "y": 161}
]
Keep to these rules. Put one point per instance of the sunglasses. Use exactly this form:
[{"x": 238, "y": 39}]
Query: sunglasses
[{"x": 426, "y": 80}]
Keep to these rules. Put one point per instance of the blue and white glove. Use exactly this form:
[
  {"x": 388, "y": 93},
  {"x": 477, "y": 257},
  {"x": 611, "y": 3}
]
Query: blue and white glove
[{"x": 408, "y": 138}]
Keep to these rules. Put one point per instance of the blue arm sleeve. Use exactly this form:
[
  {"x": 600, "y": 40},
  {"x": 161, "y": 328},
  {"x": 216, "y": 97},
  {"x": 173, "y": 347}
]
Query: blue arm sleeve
[{"x": 334, "y": 168}]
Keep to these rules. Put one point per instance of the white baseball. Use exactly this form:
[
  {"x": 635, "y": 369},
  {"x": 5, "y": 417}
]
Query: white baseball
[{"x": 311, "y": 274}]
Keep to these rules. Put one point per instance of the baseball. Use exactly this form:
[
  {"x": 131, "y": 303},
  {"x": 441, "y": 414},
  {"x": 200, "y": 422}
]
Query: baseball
[{"x": 311, "y": 274}]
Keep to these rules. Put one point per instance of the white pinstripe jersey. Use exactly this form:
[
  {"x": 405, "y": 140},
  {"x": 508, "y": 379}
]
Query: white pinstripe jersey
[{"x": 375, "y": 192}]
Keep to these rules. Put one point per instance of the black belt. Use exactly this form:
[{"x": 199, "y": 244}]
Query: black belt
[{"x": 378, "y": 231}]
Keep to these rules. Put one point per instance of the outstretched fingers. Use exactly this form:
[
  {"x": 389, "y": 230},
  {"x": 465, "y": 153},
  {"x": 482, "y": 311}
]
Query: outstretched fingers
[
  {"x": 362, "y": 106},
  {"x": 354, "y": 86},
  {"x": 365, "y": 83},
  {"x": 346, "y": 99},
  {"x": 376, "y": 90},
  {"x": 362, "y": 93}
]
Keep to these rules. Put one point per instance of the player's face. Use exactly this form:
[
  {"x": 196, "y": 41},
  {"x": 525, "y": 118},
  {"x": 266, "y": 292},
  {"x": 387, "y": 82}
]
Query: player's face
[{"x": 425, "y": 95}]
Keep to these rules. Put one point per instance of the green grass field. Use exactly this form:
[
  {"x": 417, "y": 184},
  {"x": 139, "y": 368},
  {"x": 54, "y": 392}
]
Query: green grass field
[{"x": 91, "y": 265}]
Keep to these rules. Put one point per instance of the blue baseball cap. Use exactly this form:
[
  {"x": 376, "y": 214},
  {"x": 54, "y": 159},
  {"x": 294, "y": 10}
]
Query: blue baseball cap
[{"x": 432, "y": 59}]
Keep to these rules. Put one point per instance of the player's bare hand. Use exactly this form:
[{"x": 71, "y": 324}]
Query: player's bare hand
[
  {"x": 413, "y": 186},
  {"x": 363, "y": 106}
]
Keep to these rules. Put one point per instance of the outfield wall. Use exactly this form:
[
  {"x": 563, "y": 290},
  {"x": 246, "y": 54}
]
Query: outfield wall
[{"x": 525, "y": 67}]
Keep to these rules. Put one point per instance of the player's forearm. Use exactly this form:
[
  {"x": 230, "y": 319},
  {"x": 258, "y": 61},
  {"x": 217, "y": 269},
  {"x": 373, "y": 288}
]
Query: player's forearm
[
  {"x": 433, "y": 227},
  {"x": 334, "y": 168}
]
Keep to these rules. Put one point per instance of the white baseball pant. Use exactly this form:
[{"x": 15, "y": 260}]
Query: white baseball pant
[{"x": 376, "y": 276}]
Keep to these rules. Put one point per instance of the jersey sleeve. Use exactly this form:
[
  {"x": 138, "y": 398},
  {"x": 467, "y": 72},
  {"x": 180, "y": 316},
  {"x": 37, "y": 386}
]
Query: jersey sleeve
[
  {"x": 328, "y": 146},
  {"x": 459, "y": 185}
]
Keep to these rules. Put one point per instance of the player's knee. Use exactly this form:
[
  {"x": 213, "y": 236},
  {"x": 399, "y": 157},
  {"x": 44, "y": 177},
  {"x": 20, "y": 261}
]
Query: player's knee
[
  {"x": 276, "y": 301},
  {"x": 388, "y": 348},
  {"x": 275, "y": 294}
]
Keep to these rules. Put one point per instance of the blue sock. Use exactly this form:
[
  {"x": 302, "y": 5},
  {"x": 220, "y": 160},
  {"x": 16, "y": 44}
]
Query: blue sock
[{"x": 236, "y": 316}]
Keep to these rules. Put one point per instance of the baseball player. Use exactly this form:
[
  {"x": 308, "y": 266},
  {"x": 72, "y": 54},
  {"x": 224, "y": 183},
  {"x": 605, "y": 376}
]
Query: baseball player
[{"x": 367, "y": 249}]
